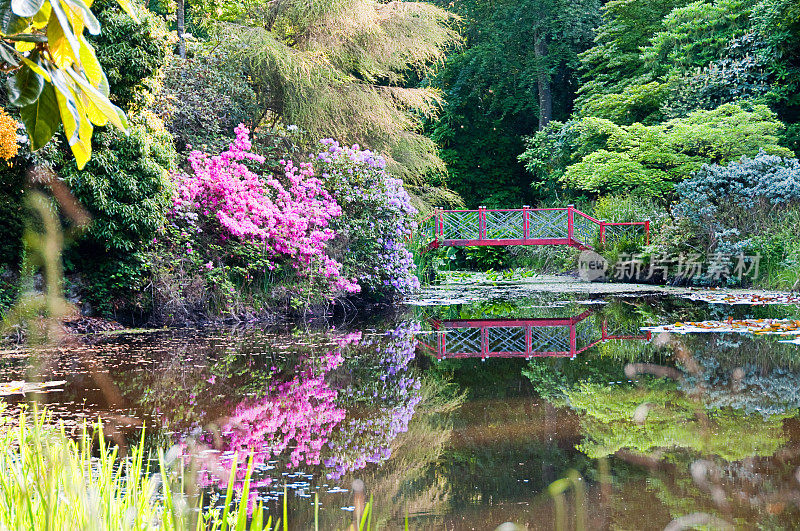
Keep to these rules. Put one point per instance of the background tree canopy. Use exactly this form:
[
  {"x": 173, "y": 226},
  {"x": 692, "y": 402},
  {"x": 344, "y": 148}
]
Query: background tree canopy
[
  {"x": 347, "y": 70},
  {"x": 517, "y": 56}
]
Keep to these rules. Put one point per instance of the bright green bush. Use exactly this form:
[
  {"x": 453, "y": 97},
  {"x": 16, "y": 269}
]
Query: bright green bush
[
  {"x": 649, "y": 160},
  {"x": 635, "y": 103}
]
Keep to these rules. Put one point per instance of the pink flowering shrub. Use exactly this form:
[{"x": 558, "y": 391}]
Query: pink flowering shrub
[{"x": 286, "y": 220}]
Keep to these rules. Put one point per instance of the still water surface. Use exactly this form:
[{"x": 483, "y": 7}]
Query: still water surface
[{"x": 462, "y": 408}]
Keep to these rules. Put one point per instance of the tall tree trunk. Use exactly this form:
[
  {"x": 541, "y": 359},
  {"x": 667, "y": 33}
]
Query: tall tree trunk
[
  {"x": 179, "y": 15},
  {"x": 543, "y": 81}
]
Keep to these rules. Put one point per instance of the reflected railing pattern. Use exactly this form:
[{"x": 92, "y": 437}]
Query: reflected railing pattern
[{"x": 514, "y": 338}]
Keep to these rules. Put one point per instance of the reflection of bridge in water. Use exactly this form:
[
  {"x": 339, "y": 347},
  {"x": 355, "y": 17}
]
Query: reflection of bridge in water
[{"x": 514, "y": 338}]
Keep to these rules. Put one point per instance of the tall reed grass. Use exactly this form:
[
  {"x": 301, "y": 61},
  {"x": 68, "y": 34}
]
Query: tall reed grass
[{"x": 51, "y": 481}]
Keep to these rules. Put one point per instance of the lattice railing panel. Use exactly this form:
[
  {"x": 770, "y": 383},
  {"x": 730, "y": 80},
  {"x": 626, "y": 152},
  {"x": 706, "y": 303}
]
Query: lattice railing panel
[
  {"x": 506, "y": 339},
  {"x": 429, "y": 341},
  {"x": 460, "y": 225},
  {"x": 547, "y": 224},
  {"x": 463, "y": 340},
  {"x": 585, "y": 230},
  {"x": 550, "y": 339},
  {"x": 631, "y": 233},
  {"x": 505, "y": 225},
  {"x": 586, "y": 333}
]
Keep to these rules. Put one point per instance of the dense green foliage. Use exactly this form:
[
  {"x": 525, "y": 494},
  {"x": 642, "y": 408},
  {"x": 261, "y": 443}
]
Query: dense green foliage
[
  {"x": 492, "y": 95},
  {"x": 204, "y": 98},
  {"x": 648, "y": 159},
  {"x": 132, "y": 53},
  {"x": 126, "y": 190},
  {"x": 667, "y": 87}
]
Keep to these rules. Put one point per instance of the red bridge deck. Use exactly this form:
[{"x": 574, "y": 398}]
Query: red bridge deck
[{"x": 525, "y": 226}]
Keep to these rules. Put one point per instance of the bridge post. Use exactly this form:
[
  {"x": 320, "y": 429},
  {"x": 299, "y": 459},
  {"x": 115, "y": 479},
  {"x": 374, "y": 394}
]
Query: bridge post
[
  {"x": 481, "y": 222},
  {"x": 570, "y": 223},
  {"x": 525, "y": 228},
  {"x": 647, "y": 231},
  {"x": 528, "y": 342},
  {"x": 573, "y": 341},
  {"x": 603, "y": 233}
]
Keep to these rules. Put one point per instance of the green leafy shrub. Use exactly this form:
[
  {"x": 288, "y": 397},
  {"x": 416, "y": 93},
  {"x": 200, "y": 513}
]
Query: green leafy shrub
[
  {"x": 125, "y": 188},
  {"x": 648, "y": 160},
  {"x": 132, "y": 53},
  {"x": 204, "y": 98}
]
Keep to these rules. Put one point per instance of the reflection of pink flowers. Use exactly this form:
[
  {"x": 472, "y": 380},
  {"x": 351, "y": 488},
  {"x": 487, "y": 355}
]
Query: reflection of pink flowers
[
  {"x": 305, "y": 422},
  {"x": 301, "y": 412}
]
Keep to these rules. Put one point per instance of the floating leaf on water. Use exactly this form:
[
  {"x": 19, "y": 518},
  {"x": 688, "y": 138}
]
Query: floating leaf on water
[{"x": 20, "y": 387}]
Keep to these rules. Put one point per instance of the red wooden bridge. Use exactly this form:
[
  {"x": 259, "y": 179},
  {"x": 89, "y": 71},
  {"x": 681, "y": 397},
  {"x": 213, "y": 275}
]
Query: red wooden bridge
[
  {"x": 519, "y": 338},
  {"x": 526, "y": 226}
]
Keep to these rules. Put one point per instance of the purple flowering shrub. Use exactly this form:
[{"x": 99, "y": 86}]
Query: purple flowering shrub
[{"x": 377, "y": 220}]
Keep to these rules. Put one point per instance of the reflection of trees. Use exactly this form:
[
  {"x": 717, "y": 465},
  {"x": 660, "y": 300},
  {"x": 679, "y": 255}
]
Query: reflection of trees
[
  {"x": 656, "y": 416},
  {"x": 713, "y": 441}
]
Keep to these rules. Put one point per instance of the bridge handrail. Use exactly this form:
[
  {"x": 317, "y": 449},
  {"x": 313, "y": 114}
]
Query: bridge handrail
[{"x": 587, "y": 216}]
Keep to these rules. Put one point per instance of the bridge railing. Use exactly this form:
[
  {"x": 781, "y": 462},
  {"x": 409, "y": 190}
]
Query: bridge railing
[
  {"x": 510, "y": 338},
  {"x": 526, "y": 226}
]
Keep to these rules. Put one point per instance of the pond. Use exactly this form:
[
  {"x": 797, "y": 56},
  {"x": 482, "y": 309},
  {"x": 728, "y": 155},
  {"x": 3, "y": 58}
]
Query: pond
[{"x": 534, "y": 402}]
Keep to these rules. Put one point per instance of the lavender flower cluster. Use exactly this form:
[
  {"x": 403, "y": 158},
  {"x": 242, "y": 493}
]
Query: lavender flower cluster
[
  {"x": 378, "y": 219},
  {"x": 368, "y": 437}
]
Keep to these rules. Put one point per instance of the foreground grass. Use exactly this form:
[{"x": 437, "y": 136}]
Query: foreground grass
[{"x": 51, "y": 481}]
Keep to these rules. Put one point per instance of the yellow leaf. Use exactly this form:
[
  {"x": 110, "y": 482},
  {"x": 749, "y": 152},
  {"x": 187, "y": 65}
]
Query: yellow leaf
[
  {"x": 82, "y": 149},
  {"x": 94, "y": 114},
  {"x": 75, "y": 16},
  {"x": 22, "y": 46},
  {"x": 41, "y": 18},
  {"x": 68, "y": 110},
  {"x": 91, "y": 66},
  {"x": 59, "y": 46},
  {"x": 113, "y": 113}
]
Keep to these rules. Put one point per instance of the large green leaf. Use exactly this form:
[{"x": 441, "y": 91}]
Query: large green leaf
[
  {"x": 25, "y": 86},
  {"x": 26, "y": 8},
  {"x": 28, "y": 37},
  {"x": 8, "y": 54},
  {"x": 9, "y": 22},
  {"x": 41, "y": 118}
]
